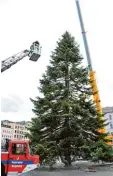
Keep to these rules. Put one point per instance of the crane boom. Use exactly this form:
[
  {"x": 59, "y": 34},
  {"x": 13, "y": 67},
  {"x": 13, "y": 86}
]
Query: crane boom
[
  {"x": 7, "y": 63},
  {"x": 91, "y": 72},
  {"x": 34, "y": 53}
]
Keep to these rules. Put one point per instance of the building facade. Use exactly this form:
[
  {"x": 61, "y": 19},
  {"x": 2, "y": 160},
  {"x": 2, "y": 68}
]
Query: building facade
[
  {"x": 13, "y": 130},
  {"x": 6, "y": 132},
  {"x": 108, "y": 115}
]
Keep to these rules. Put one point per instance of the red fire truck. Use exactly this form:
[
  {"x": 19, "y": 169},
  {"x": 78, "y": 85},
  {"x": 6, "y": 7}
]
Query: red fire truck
[{"x": 16, "y": 158}]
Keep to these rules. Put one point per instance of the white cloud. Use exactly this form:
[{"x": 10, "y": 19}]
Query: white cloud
[
  {"x": 23, "y": 22},
  {"x": 17, "y": 116}
]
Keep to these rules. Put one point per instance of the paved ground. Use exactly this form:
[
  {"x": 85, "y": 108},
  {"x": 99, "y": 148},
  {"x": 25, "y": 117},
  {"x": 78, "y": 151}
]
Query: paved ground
[
  {"x": 71, "y": 173},
  {"x": 104, "y": 170}
]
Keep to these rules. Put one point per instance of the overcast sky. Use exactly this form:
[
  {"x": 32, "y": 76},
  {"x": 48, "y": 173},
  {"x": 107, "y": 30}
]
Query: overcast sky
[{"x": 25, "y": 21}]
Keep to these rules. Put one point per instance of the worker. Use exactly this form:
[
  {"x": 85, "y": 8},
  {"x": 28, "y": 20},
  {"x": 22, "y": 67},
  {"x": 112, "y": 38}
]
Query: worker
[{"x": 6, "y": 145}]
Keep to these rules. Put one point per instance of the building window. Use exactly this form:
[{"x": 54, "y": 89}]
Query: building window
[
  {"x": 110, "y": 117},
  {"x": 111, "y": 125}
]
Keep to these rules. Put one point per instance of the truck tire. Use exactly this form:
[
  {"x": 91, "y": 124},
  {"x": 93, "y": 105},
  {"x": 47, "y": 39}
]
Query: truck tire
[{"x": 3, "y": 170}]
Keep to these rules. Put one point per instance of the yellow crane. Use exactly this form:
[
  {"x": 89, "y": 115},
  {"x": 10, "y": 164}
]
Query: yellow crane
[{"x": 91, "y": 72}]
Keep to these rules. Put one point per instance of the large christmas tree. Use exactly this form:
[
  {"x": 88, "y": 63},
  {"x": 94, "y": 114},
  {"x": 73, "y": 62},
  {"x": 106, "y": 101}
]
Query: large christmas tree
[{"x": 66, "y": 118}]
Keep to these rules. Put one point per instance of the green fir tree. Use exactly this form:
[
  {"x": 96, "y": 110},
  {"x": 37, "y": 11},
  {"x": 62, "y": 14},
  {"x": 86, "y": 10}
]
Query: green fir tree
[{"x": 66, "y": 118}]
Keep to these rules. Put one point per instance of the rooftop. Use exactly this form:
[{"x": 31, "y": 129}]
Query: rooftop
[{"x": 108, "y": 109}]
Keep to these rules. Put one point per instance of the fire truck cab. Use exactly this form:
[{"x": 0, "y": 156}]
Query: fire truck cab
[{"x": 16, "y": 158}]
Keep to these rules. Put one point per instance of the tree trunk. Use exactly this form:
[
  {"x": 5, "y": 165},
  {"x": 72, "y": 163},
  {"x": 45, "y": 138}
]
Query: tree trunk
[{"x": 66, "y": 160}]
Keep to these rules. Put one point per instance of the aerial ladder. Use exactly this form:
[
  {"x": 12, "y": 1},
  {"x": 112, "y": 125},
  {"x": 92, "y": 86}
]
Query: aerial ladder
[
  {"x": 91, "y": 71},
  {"x": 33, "y": 53}
]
